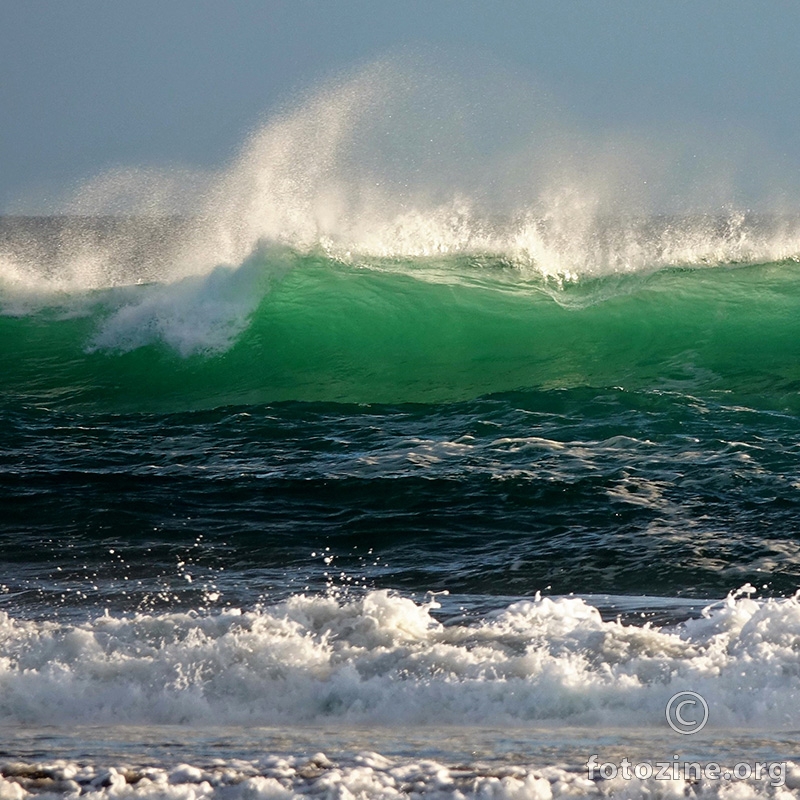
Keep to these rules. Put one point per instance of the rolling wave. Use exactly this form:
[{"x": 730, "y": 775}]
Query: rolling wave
[
  {"x": 291, "y": 325},
  {"x": 388, "y": 239}
]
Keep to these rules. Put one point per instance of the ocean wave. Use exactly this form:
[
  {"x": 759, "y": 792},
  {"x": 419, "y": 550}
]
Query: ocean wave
[
  {"x": 388, "y": 239},
  {"x": 287, "y": 326},
  {"x": 385, "y": 659}
]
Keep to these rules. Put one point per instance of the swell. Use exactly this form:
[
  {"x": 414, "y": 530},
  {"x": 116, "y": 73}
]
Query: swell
[{"x": 290, "y": 327}]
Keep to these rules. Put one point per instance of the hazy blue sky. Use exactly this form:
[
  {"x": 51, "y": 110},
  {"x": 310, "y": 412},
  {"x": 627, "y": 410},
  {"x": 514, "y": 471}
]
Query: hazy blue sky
[{"x": 90, "y": 84}]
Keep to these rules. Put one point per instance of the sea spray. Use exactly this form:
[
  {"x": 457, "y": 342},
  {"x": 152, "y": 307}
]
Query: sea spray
[{"x": 411, "y": 157}]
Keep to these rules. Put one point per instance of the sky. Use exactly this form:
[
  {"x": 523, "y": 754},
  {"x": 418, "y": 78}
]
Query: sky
[{"x": 90, "y": 85}]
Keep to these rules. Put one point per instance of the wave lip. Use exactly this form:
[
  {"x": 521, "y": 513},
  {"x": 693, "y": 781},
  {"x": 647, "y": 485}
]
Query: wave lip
[{"x": 194, "y": 315}]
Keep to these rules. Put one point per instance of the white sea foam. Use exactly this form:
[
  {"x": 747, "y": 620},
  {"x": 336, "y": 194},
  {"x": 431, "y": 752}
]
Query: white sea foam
[
  {"x": 365, "y": 775},
  {"x": 384, "y": 659},
  {"x": 200, "y": 314}
]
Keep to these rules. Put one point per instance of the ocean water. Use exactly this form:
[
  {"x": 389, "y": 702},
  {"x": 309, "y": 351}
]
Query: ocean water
[{"x": 302, "y": 497}]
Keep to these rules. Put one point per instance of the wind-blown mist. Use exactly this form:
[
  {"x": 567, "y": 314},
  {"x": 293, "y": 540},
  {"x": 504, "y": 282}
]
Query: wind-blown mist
[{"x": 411, "y": 157}]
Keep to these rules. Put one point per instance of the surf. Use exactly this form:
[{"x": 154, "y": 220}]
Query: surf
[{"x": 387, "y": 660}]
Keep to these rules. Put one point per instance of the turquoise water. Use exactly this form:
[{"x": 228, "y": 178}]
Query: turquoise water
[
  {"x": 291, "y": 327},
  {"x": 483, "y": 430},
  {"x": 355, "y": 498}
]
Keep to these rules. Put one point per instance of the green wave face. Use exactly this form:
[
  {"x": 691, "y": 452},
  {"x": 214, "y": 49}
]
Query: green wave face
[{"x": 308, "y": 328}]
